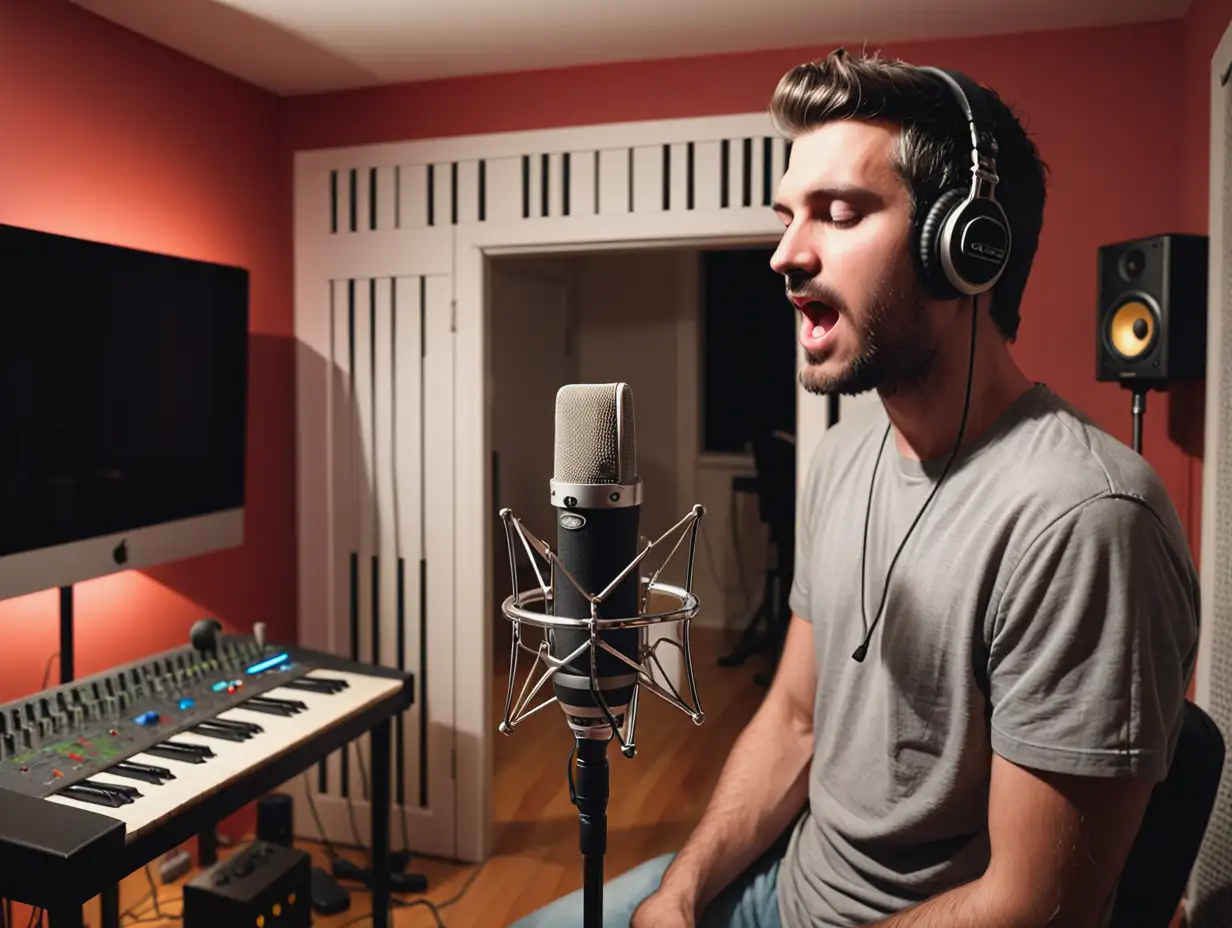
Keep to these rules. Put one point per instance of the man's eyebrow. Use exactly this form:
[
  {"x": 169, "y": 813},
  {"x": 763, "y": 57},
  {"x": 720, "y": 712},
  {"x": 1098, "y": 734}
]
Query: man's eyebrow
[{"x": 852, "y": 192}]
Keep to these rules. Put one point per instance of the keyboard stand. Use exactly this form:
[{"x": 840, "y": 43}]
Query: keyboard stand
[
  {"x": 70, "y": 916},
  {"x": 109, "y": 906},
  {"x": 380, "y": 804}
]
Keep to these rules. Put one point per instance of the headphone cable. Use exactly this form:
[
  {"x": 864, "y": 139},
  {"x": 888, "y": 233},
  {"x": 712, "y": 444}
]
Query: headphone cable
[{"x": 862, "y": 651}]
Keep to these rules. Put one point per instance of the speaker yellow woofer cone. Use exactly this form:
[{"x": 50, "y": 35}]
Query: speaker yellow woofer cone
[{"x": 1132, "y": 329}]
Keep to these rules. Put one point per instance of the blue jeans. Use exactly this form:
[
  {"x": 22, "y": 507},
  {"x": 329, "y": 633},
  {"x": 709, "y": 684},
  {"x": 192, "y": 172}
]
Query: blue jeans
[{"x": 751, "y": 901}]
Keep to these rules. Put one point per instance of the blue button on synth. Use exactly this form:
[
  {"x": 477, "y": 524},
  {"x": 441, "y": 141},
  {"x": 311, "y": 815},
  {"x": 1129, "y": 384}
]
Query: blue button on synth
[
  {"x": 147, "y": 718},
  {"x": 186, "y": 704}
]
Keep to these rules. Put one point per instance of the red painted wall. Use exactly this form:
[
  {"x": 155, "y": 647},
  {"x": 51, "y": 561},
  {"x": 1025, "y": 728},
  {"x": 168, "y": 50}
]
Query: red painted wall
[
  {"x": 1113, "y": 131},
  {"x": 109, "y": 136}
]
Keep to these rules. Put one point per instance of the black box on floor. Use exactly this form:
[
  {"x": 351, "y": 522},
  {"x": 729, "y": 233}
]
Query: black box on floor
[{"x": 262, "y": 884}]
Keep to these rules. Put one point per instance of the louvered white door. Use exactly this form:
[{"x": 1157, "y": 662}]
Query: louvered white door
[{"x": 375, "y": 465}]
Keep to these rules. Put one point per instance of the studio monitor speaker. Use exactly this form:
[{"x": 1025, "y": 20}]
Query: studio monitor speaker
[{"x": 1152, "y": 311}]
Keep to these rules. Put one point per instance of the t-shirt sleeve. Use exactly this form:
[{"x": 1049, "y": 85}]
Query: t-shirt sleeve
[{"x": 1093, "y": 644}]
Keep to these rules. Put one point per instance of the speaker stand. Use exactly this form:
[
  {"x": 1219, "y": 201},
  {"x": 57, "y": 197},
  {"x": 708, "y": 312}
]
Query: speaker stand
[{"x": 1138, "y": 408}]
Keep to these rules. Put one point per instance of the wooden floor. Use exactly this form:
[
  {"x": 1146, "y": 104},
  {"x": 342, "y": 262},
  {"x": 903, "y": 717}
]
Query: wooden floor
[{"x": 656, "y": 799}]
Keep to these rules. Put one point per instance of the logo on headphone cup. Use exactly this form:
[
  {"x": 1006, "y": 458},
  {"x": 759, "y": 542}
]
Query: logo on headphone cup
[{"x": 990, "y": 252}]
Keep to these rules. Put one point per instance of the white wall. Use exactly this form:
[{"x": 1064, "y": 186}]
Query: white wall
[{"x": 634, "y": 318}]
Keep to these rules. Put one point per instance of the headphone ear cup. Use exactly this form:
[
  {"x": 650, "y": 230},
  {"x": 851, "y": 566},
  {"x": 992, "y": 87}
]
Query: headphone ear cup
[{"x": 933, "y": 274}]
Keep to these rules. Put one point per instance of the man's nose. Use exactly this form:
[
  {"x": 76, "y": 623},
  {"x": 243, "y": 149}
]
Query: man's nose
[{"x": 795, "y": 258}]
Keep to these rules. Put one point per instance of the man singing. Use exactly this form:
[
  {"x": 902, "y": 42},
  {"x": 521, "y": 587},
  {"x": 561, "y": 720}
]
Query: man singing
[{"x": 994, "y": 606}]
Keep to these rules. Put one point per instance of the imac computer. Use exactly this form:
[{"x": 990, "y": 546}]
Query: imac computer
[{"x": 123, "y": 402}]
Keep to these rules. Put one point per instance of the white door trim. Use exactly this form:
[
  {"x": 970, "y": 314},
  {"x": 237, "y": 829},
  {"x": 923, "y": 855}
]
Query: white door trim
[
  {"x": 1212, "y": 870},
  {"x": 1219, "y": 329}
]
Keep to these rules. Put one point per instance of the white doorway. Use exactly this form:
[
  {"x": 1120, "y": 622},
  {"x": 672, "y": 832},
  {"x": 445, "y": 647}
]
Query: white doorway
[{"x": 441, "y": 210}]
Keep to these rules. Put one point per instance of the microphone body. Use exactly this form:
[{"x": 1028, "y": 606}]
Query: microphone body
[{"x": 597, "y": 498}]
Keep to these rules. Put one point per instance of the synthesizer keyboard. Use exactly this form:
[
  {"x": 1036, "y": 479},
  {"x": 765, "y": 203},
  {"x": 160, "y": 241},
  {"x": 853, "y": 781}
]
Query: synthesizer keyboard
[{"x": 103, "y": 774}]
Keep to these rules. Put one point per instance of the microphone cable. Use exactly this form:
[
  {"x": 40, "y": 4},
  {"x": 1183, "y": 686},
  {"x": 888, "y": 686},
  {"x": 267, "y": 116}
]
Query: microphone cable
[{"x": 862, "y": 651}]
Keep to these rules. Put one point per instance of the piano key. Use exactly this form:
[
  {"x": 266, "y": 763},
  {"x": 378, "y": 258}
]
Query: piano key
[
  {"x": 197, "y": 777},
  {"x": 269, "y": 708},
  {"x": 224, "y": 734},
  {"x": 293, "y": 703},
  {"x": 341, "y": 682},
  {"x": 314, "y": 686},
  {"x": 248, "y": 727},
  {"x": 175, "y": 752},
  {"x": 125, "y": 792},
  {"x": 91, "y": 795},
  {"x": 146, "y": 772},
  {"x": 236, "y": 728}
]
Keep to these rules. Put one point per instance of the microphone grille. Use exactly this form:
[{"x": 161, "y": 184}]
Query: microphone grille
[{"x": 595, "y": 441}]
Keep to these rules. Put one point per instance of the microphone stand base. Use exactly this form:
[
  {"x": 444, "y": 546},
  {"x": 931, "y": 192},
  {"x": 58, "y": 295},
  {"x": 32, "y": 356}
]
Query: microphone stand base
[{"x": 591, "y": 796}]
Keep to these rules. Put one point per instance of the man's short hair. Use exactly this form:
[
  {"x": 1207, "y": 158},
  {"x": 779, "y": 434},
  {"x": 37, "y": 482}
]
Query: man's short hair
[{"x": 934, "y": 150}]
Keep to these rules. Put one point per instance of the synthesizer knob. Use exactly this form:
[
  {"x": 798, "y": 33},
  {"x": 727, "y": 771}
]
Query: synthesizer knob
[
  {"x": 62, "y": 701},
  {"x": 27, "y": 738},
  {"x": 30, "y": 717},
  {"x": 9, "y": 744},
  {"x": 4, "y": 723}
]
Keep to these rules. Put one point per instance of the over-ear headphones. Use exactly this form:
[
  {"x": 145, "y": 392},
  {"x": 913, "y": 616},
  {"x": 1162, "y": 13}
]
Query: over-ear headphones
[{"x": 963, "y": 237}]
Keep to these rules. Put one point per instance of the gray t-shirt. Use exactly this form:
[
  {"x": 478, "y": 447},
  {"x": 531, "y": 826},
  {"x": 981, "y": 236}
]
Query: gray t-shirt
[{"x": 1045, "y": 608}]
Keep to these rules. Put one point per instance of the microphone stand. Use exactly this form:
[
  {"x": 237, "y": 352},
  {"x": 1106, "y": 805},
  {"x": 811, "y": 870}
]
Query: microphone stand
[{"x": 590, "y": 796}]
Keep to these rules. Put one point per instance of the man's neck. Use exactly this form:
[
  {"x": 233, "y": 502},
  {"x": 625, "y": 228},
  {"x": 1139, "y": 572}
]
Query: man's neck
[{"x": 927, "y": 416}]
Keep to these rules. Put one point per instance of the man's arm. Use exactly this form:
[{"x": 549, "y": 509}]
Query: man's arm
[
  {"x": 1058, "y": 844},
  {"x": 762, "y": 787}
]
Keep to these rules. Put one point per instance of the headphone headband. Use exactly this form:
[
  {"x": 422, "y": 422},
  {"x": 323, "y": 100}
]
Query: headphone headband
[
  {"x": 964, "y": 236},
  {"x": 972, "y": 102}
]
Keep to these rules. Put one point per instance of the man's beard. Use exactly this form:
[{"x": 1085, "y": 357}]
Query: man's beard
[{"x": 896, "y": 347}]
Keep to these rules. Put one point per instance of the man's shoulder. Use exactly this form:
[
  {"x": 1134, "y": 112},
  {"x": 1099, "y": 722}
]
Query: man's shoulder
[{"x": 1057, "y": 452}]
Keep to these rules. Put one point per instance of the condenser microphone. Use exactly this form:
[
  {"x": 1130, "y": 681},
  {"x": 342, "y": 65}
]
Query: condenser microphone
[
  {"x": 596, "y": 609},
  {"x": 597, "y": 496}
]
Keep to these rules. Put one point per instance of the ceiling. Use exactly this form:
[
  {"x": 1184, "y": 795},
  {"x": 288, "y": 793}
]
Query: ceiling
[{"x": 310, "y": 46}]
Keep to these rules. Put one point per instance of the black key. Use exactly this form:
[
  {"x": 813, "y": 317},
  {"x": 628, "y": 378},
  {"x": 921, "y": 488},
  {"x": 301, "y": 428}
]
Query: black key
[
  {"x": 236, "y": 725},
  {"x": 127, "y": 794},
  {"x": 88, "y": 793},
  {"x": 136, "y": 771},
  {"x": 160, "y": 750},
  {"x": 175, "y": 750},
  {"x": 311, "y": 686},
  {"x": 222, "y": 734},
  {"x": 293, "y": 704},
  {"x": 148, "y": 768},
  {"x": 267, "y": 708},
  {"x": 340, "y": 684}
]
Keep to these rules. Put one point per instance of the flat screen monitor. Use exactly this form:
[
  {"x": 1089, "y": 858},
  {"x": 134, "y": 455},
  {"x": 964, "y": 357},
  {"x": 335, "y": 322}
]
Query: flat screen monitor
[{"x": 123, "y": 403}]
